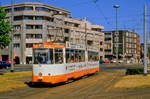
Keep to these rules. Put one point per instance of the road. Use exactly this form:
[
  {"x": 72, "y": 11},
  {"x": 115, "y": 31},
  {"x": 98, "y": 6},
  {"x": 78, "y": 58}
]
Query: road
[
  {"x": 18, "y": 68},
  {"x": 98, "y": 86},
  {"x": 28, "y": 67}
]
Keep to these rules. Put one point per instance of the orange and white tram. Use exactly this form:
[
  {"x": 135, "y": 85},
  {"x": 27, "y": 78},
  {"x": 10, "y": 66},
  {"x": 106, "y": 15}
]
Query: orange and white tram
[{"x": 55, "y": 63}]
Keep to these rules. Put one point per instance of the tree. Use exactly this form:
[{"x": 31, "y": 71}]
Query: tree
[{"x": 5, "y": 29}]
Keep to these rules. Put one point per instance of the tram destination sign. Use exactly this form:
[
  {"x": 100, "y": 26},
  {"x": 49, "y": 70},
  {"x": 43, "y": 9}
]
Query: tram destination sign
[
  {"x": 74, "y": 46},
  {"x": 81, "y": 46}
]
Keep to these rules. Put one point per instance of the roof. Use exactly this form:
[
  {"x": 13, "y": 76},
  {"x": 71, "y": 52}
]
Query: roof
[{"x": 36, "y": 3}]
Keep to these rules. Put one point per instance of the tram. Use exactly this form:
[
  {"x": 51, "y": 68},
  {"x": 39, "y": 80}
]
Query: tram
[{"x": 54, "y": 63}]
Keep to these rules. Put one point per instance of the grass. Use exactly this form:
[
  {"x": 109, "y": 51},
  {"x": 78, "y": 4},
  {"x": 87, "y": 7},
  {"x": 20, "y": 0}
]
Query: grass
[
  {"x": 10, "y": 81},
  {"x": 133, "y": 81}
]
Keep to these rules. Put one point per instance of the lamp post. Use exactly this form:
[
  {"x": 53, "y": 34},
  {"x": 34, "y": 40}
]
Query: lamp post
[
  {"x": 145, "y": 40},
  {"x": 116, "y": 32}
]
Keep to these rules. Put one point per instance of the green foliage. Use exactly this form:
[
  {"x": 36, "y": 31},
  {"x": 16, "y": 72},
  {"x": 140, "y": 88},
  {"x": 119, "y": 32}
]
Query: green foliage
[
  {"x": 2, "y": 14},
  {"x": 5, "y": 29},
  {"x": 5, "y": 39},
  {"x": 134, "y": 71}
]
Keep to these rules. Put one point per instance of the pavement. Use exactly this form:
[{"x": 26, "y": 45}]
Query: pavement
[{"x": 18, "y": 68}]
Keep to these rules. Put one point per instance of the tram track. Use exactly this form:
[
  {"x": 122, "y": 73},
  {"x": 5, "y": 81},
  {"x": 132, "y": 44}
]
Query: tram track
[
  {"x": 79, "y": 89},
  {"x": 98, "y": 86},
  {"x": 105, "y": 88}
]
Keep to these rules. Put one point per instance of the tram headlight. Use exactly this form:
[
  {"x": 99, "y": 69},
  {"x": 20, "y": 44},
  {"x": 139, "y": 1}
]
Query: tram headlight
[
  {"x": 49, "y": 74},
  {"x": 40, "y": 74}
]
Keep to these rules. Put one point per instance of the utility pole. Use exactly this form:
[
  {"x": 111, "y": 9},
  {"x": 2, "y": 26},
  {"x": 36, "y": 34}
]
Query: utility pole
[
  {"x": 86, "y": 48},
  {"x": 145, "y": 40},
  {"x": 11, "y": 45}
]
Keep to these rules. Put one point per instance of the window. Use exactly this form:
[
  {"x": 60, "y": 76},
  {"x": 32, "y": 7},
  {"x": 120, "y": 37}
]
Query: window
[
  {"x": 93, "y": 56},
  {"x": 58, "y": 56},
  {"x": 38, "y": 27},
  {"x": 49, "y": 19},
  {"x": 17, "y": 27},
  {"x": 41, "y": 56},
  {"x": 17, "y": 36},
  {"x": 39, "y": 18},
  {"x": 16, "y": 45},
  {"x": 101, "y": 43},
  {"x": 28, "y": 18},
  {"x": 17, "y": 18},
  {"x": 23, "y": 8},
  {"x": 107, "y": 39},
  {"x": 55, "y": 12},
  {"x": 38, "y": 36},
  {"x": 8, "y": 10},
  {"x": 29, "y": 26},
  {"x": 33, "y": 36},
  {"x": 101, "y": 49},
  {"x": 76, "y": 25},
  {"x": 75, "y": 56},
  {"x": 66, "y": 30},
  {"x": 29, "y": 45},
  {"x": 42, "y": 9}
]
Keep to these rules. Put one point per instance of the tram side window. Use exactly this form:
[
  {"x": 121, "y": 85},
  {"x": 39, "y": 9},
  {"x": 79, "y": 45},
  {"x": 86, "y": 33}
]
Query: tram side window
[
  {"x": 70, "y": 56},
  {"x": 77, "y": 56},
  {"x": 97, "y": 57},
  {"x": 92, "y": 56},
  {"x": 74, "y": 56},
  {"x": 50, "y": 57},
  {"x": 58, "y": 56},
  {"x": 82, "y": 55}
]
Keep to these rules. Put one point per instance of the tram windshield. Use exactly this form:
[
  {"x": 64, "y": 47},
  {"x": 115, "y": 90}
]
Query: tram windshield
[{"x": 48, "y": 56}]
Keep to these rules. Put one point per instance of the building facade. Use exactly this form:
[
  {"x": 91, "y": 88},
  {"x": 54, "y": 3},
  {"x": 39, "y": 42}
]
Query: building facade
[
  {"x": 128, "y": 44},
  {"x": 36, "y": 22}
]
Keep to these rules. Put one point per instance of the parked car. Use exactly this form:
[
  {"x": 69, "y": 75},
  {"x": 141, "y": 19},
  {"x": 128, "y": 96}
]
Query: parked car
[
  {"x": 106, "y": 61},
  {"x": 101, "y": 61},
  {"x": 4, "y": 64},
  {"x": 120, "y": 61},
  {"x": 114, "y": 61},
  {"x": 9, "y": 61}
]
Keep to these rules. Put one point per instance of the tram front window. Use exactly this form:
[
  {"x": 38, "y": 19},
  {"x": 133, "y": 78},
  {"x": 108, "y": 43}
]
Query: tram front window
[{"x": 40, "y": 56}]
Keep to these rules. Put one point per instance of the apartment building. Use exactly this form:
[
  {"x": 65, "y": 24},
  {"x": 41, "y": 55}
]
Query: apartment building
[
  {"x": 36, "y": 22},
  {"x": 128, "y": 44},
  {"x": 109, "y": 45}
]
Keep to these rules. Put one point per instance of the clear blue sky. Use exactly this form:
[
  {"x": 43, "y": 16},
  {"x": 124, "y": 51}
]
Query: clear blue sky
[{"x": 130, "y": 13}]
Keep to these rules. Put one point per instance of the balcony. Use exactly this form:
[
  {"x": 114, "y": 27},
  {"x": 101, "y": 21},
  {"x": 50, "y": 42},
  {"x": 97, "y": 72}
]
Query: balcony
[{"x": 33, "y": 40}]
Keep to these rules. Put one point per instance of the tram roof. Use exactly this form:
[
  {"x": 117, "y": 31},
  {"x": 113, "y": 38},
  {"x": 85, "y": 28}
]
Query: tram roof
[{"x": 47, "y": 45}]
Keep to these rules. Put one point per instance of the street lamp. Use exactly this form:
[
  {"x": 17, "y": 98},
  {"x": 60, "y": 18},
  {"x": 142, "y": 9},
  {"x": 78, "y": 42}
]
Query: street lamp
[{"x": 116, "y": 33}]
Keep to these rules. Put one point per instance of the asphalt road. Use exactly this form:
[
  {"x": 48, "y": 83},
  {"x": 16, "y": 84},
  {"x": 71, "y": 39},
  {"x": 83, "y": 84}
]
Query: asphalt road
[
  {"x": 98, "y": 86},
  {"x": 18, "y": 68}
]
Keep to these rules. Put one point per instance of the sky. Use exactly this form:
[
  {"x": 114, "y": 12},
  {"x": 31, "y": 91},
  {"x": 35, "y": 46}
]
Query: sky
[{"x": 101, "y": 12}]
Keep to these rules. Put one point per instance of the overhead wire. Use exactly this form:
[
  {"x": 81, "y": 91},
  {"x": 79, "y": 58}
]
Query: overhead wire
[{"x": 101, "y": 12}]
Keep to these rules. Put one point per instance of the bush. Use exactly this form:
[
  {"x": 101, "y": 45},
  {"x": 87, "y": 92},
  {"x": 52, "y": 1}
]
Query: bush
[{"x": 134, "y": 71}]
